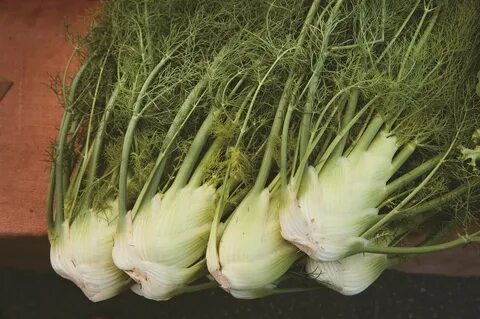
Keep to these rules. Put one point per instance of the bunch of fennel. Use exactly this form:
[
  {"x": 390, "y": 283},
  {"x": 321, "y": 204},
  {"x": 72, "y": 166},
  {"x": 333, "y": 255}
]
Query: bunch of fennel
[
  {"x": 159, "y": 93},
  {"x": 83, "y": 201},
  {"x": 248, "y": 140}
]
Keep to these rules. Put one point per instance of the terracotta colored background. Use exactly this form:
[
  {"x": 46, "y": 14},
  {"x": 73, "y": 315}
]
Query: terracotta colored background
[{"x": 32, "y": 48}]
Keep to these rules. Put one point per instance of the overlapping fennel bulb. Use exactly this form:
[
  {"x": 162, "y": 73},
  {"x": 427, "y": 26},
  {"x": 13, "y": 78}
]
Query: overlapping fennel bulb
[
  {"x": 251, "y": 255},
  {"x": 161, "y": 242},
  {"x": 350, "y": 275},
  {"x": 81, "y": 251},
  {"x": 162, "y": 247}
]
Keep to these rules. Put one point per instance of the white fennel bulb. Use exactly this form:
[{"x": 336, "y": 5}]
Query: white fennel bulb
[
  {"x": 252, "y": 255},
  {"x": 82, "y": 252},
  {"x": 348, "y": 276},
  {"x": 162, "y": 248},
  {"x": 333, "y": 208}
]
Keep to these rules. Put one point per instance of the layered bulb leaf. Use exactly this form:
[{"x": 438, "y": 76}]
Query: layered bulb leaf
[
  {"x": 81, "y": 251},
  {"x": 162, "y": 247},
  {"x": 252, "y": 255},
  {"x": 333, "y": 208},
  {"x": 350, "y": 275},
  {"x": 472, "y": 155}
]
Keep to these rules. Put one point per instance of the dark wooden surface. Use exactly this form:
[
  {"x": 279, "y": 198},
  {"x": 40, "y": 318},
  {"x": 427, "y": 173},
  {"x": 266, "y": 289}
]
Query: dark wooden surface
[{"x": 33, "y": 295}]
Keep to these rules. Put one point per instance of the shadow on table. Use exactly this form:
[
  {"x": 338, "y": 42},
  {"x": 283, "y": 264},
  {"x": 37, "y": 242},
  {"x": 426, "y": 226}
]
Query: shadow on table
[{"x": 42, "y": 294}]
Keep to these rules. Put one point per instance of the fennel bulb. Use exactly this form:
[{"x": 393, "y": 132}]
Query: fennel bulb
[
  {"x": 82, "y": 252},
  {"x": 327, "y": 217},
  {"x": 351, "y": 275},
  {"x": 252, "y": 255},
  {"x": 162, "y": 247}
]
